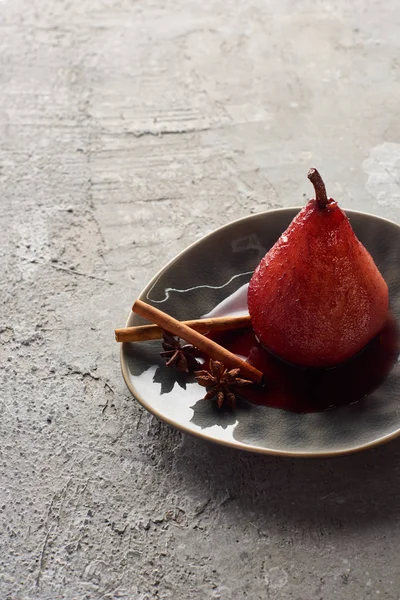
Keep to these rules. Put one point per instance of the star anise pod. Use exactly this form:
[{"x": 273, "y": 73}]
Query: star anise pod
[
  {"x": 179, "y": 356},
  {"x": 221, "y": 383}
]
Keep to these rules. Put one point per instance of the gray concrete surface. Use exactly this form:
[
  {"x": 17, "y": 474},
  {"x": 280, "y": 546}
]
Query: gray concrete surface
[{"x": 128, "y": 130}]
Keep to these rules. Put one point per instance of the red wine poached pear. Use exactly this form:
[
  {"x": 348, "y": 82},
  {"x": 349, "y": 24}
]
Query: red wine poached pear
[{"x": 308, "y": 390}]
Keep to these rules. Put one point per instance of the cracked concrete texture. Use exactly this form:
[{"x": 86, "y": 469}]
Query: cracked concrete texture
[{"x": 130, "y": 129}]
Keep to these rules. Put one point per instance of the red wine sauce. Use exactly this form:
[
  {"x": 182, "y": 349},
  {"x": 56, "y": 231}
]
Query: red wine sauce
[{"x": 311, "y": 390}]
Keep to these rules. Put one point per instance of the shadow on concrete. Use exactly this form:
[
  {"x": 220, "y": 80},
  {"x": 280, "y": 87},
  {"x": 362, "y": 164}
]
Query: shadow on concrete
[{"x": 321, "y": 495}]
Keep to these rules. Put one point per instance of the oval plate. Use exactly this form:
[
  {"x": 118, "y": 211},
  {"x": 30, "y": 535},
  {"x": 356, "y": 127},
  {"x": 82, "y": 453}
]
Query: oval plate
[{"x": 201, "y": 277}]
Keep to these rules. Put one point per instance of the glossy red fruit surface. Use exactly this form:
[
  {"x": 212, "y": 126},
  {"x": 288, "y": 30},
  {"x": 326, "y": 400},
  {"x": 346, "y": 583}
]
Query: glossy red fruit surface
[{"x": 317, "y": 297}]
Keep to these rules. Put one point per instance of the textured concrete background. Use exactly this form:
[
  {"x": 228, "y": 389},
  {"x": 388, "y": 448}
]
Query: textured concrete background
[{"x": 129, "y": 130}]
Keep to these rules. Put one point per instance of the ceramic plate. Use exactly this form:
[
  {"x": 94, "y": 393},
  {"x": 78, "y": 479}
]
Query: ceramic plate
[{"x": 205, "y": 275}]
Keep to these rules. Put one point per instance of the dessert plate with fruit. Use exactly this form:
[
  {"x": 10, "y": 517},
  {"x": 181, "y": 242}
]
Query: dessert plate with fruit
[{"x": 277, "y": 333}]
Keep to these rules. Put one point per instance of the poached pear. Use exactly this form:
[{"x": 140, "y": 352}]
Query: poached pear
[{"x": 317, "y": 297}]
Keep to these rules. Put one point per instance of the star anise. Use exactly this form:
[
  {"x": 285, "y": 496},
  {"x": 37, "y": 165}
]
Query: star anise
[
  {"x": 221, "y": 383},
  {"x": 179, "y": 356}
]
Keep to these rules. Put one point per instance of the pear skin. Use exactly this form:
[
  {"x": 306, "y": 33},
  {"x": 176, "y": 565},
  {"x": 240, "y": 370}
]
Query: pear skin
[{"x": 317, "y": 297}]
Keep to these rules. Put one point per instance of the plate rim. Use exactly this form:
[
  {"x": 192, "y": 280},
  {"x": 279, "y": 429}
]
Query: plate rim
[{"x": 240, "y": 445}]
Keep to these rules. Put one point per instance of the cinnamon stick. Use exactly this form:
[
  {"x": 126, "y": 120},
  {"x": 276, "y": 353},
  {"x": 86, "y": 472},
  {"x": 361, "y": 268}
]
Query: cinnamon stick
[
  {"x": 142, "y": 333},
  {"x": 209, "y": 347}
]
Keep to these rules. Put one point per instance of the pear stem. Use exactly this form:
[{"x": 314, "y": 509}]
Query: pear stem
[{"x": 319, "y": 186}]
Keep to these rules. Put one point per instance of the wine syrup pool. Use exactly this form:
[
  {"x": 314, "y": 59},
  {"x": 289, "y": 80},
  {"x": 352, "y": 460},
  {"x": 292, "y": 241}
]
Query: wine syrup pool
[{"x": 307, "y": 390}]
